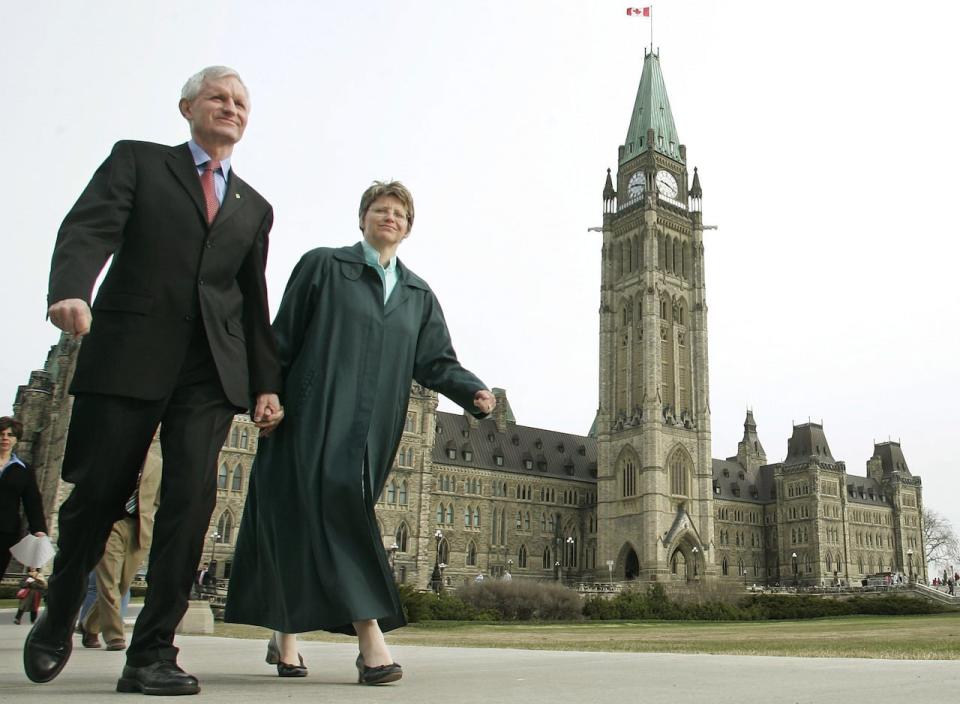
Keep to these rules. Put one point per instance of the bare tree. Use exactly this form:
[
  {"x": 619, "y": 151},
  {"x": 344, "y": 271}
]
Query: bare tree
[{"x": 939, "y": 540}]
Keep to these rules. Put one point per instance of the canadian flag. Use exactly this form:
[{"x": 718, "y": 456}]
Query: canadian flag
[{"x": 638, "y": 11}]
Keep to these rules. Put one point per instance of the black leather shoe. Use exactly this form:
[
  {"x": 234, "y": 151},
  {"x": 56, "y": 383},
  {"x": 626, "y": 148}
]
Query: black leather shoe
[
  {"x": 283, "y": 669},
  {"x": 45, "y": 655},
  {"x": 162, "y": 678},
  {"x": 377, "y": 675}
]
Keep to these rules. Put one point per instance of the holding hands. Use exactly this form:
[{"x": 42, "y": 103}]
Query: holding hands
[
  {"x": 484, "y": 401},
  {"x": 268, "y": 413}
]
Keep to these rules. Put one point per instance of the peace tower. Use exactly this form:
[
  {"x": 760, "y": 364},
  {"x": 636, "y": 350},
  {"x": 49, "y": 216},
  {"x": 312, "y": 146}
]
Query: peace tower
[{"x": 653, "y": 423}]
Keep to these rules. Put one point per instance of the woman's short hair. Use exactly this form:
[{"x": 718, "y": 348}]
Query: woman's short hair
[
  {"x": 13, "y": 424},
  {"x": 387, "y": 188},
  {"x": 191, "y": 89}
]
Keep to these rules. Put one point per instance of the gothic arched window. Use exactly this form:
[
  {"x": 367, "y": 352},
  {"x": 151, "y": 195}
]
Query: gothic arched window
[
  {"x": 401, "y": 537},
  {"x": 225, "y": 528},
  {"x": 679, "y": 466}
]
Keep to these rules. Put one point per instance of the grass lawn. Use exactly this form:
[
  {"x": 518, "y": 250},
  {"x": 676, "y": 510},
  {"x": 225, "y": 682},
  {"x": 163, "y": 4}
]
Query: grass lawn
[{"x": 934, "y": 637}]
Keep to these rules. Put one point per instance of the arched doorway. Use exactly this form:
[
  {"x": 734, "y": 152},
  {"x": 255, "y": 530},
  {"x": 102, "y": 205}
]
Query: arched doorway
[
  {"x": 678, "y": 565},
  {"x": 631, "y": 568}
]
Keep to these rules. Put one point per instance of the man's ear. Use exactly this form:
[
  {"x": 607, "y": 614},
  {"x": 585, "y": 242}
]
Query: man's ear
[{"x": 184, "y": 106}]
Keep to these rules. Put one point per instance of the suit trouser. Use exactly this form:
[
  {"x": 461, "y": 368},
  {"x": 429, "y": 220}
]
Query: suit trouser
[
  {"x": 115, "y": 571},
  {"x": 106, "y": 446}
]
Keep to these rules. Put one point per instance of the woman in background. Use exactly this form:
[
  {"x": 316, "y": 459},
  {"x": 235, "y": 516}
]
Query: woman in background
[
  {"x": 32, "y": 587},
  {"x": 18, "y": 485}
]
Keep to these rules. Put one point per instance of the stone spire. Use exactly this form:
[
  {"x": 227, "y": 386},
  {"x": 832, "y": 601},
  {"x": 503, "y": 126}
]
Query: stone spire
[
  {"x": 695, "y": 190},
  {"x": 651, "y": 112},
  {"x": 609, "y": 192},
  {"x": 750, "y": 453}
]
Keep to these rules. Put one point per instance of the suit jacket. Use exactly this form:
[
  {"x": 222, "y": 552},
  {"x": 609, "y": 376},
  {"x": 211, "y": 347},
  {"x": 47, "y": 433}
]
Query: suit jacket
[
  {"x": 171, "y": 272},
  {"x": 18, "y": 484}
]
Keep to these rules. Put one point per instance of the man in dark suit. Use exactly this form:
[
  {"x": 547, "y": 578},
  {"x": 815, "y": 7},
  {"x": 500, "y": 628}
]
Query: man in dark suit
[{"x": 179, "y": 336}]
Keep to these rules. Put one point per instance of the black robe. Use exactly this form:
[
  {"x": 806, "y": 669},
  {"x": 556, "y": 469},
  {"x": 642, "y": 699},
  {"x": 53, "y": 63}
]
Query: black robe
[{"x": 309, "y": 554}]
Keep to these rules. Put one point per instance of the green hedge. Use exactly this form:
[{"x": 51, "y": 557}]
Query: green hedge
[
  {"x": 654, "y": 604},
  {"x": 493, "y": 600}
]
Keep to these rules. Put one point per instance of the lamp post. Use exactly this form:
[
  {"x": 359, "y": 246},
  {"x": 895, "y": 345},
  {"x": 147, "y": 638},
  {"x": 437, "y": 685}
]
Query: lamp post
[
  {"x": 436, "y": 579},
  {"x": 214, "y": 537},
  {"x": 509, "y": 576},
  {"x": 571, "y": 562},
  {"x": 796, "y": 577},
  {"x": 696, "y": 561},
  {"x": 910, "y": 565},
  {"x": 556, "y": 559},
  {"x": 610, "y": 570}
]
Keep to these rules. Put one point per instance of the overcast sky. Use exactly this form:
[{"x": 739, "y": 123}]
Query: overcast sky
[{"x": 825, "y": 135}]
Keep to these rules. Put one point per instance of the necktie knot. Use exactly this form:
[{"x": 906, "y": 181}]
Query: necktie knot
[{"x": 212, "y": 165}]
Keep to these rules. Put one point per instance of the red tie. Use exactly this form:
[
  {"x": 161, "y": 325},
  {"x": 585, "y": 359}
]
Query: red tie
[{"x": 209, "y": 192}]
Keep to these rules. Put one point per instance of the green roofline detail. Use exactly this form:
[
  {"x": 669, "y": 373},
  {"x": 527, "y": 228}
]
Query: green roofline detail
[{"x": 651, "y": 110}]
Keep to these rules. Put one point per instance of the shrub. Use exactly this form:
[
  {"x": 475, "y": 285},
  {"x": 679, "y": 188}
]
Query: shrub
[
  {"x": 522, "y": 600},
  {"x": 427, "y": 606}
]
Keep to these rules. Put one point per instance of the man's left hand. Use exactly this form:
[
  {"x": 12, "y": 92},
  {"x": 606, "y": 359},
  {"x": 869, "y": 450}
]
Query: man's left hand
[
  {"x": 484, "y": 401},
  {"x": 268, "y": 413}
]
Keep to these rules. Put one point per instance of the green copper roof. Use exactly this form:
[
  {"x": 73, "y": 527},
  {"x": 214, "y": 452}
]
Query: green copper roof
[{"x": 651, "y": 110}]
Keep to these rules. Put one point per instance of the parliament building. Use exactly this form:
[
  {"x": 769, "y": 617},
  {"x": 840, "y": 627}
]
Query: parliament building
[{"x": 640, "y": 497}]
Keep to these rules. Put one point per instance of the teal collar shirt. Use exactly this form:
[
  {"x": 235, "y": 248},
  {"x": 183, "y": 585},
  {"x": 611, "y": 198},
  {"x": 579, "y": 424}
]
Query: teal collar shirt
[{"x": 387, "y": 274}]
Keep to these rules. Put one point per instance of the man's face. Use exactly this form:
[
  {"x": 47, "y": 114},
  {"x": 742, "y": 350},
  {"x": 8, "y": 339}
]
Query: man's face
[{"x": 218, "y": 115}]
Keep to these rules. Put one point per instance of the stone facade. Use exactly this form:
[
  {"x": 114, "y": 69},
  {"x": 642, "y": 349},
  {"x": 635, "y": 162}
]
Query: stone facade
[{"x": 640, "y": 496}]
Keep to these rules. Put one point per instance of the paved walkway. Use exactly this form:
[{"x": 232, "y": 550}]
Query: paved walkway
[{"x": 232, "y": 670}]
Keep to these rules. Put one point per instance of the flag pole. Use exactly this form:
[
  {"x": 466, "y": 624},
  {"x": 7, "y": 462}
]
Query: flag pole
[{"x": 651, "y": 29}]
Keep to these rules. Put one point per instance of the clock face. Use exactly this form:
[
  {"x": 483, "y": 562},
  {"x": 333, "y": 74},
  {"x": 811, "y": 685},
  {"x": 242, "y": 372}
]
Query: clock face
[
  {"x": 667, "y": 184},
  {"x": 635, "y": 185}
]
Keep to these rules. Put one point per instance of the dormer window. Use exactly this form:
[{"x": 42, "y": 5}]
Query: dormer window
[
  {"x": 451, "y": 454},
  {"x": 528, "y": 464},
  {"x": 498, "y": 459},
  {"x": 468, "y": 455}
]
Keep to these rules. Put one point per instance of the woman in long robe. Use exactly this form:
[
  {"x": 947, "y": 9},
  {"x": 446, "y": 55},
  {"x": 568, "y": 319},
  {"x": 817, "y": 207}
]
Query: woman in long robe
[{"x": 354, "y": 329}]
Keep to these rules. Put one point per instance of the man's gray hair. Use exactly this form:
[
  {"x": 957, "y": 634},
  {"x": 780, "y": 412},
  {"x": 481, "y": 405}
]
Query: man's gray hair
[{"x": 191, "y": 89}]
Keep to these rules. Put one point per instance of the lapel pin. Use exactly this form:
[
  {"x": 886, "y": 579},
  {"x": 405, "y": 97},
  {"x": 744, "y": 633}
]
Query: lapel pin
[{"x": 237, "y": 195}]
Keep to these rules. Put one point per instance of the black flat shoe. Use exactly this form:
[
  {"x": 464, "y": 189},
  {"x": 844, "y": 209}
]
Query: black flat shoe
[
  {"x": 163, "y": 678},
  {"x": 283, "y": 669},
  {"x": 377, "y": 675},
  {"x": 45, "y": 655}
]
